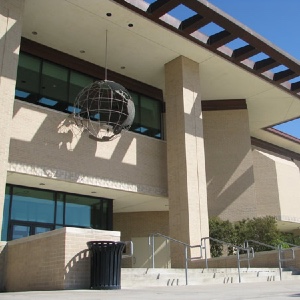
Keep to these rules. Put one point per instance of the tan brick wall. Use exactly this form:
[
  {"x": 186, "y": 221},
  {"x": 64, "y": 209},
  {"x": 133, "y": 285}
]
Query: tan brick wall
[
  {"x": 185, "y": 154},
  {"x": 266, "y": 259},
  {"x": 54, "y": 260},
  {"x": 11, "y": 12},
  {"x": 266, "y": 185},
  {"x": 277, "y": 185},
  {"x": 3, "y": 253},
  {"x": 50, "y": 146},
  {"x": 229, "y": 165},
  {"x": 77, "y": 260},
  {"x": 36, "y": 263},
  {"x": 141, "y": 224}
]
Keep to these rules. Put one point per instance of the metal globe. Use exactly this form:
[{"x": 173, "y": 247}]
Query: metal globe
[{"x": 104, "y": 109}]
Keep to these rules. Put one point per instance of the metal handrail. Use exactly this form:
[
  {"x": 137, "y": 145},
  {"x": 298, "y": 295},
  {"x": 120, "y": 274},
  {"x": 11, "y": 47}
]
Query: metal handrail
[
  {"x": 279, "y": 249},
  {"x": 292, "y": 245},
  {"x": 238, "y": 248},
  {"x": 186, "y": 246}
]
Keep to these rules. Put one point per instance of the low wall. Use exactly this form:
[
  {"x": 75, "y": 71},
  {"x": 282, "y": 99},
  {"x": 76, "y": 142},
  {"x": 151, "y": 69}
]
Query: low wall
[
  {"x": 265, "y": 259},
  {"x": 3, "y": 251},
  {"x": 54, "y": 260}
]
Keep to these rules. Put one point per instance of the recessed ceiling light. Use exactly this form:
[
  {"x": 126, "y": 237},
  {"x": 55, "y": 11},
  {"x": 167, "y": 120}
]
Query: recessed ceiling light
[
  {"x": 130, "y": 25},
  {"x": 34, "y": 32},
  {"x": 108, "y": 14}
]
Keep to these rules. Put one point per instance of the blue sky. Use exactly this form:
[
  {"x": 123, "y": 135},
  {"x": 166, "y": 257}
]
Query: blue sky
[{"x": 276, "y": 20}]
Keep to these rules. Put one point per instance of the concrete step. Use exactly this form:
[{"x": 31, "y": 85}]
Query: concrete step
[{"x": 138, "y": 277}]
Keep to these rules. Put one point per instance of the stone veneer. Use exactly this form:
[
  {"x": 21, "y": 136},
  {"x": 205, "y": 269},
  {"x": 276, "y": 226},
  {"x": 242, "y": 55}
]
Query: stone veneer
[{"x": 54, "y": 260}]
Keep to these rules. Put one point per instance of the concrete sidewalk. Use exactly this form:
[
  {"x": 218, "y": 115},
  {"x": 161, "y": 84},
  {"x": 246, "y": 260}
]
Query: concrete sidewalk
[{"x": 262, "y": 290}]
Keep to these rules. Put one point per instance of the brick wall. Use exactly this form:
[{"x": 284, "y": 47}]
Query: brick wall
[
  {"x": 141, "y": 224},
  {"x": 45, "y": 143},
  {"x": 229, "y": 167},
  {"x": 54, "y": 260},
  {"x": 266, "y": 259},
  {"x": 11, "y": 14},
  {"x": 277, "y": 181},
  {"x": 3, "y": 254}
]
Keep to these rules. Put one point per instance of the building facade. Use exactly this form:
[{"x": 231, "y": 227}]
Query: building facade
[{"x": 199, "y": 145}]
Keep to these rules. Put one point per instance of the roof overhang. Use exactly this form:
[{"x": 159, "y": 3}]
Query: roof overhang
[{"x": 155, "y": 38}]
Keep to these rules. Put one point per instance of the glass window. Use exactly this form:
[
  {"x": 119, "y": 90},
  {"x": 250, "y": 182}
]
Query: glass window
[
  {"x": 137, "y": 120},
  {"x": 147, "y": 118},
  {"x": 5, "y": 214},
  {"x": 83, "y": 211},
  {"x": 48, "y": 84},
  {"x": 78, "y": 81},
  {"x": 150, "y": 116},
  {"x": 28, "y": 76},
  {"x": 32, "y": 205},
  {"x": 36, "y": 211},
  {"x": 104, "y": 214},
  {"x": 60, "y": 208},
  {"x": 19, "y": 231},
  {"x": 54, "y": 83}
]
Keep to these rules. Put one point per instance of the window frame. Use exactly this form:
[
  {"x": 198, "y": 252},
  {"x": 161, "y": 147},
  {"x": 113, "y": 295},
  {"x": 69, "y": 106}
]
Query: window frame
[
  {"x": 32, "y": 224},
  {"x": 66, "y": 106}
]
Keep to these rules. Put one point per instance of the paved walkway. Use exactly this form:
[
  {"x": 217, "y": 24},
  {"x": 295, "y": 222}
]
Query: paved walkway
[{"x": 266, "y": 290}]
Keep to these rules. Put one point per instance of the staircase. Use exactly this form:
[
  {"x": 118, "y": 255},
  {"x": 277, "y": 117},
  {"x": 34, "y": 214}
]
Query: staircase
[{"x": 142, "y": 277}]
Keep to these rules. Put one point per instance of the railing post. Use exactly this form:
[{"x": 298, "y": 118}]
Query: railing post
[
  {"x": 279, "y": 261},
  {"x": 239, "y": 264},
  {"x": 205, "y": 254},
  {"x": 152, "y": 249},
  {"x": 186, "y": 264}
]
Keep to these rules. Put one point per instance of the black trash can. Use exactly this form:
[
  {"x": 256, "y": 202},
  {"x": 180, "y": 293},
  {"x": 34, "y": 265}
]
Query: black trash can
[{"x": 106, "y": 257}]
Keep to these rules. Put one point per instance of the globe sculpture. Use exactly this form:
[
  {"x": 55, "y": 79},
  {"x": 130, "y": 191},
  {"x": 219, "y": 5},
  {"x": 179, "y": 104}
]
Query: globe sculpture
[{"x": 104, "y": 109}]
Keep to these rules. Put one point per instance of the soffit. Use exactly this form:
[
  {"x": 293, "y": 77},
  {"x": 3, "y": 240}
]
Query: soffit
[
  {"x": 123, "y": 201},
  {"x": 74, "y": 25}
]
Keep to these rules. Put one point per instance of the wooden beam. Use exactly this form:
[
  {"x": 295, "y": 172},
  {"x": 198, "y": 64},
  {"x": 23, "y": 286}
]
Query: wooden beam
[
  {"x": 265, "y": 64},
  {"x": 283, "y": 76},
  {"x": 193, "y": 23},
  {"x": 221, "y": 38},
  {"x": 244, "y": 52},
  {"x": 161, "y": 7}
]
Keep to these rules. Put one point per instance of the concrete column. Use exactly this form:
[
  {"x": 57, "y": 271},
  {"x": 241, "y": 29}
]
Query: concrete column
[
  {"x": 188, "y": 218},
  {"x": 11, "y": 13}
]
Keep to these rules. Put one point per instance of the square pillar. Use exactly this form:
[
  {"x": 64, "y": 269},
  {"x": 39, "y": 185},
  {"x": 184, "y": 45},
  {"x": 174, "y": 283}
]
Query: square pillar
[
  {"x": 188, "y": 215},
  {"x": 11, "y": 14}
]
